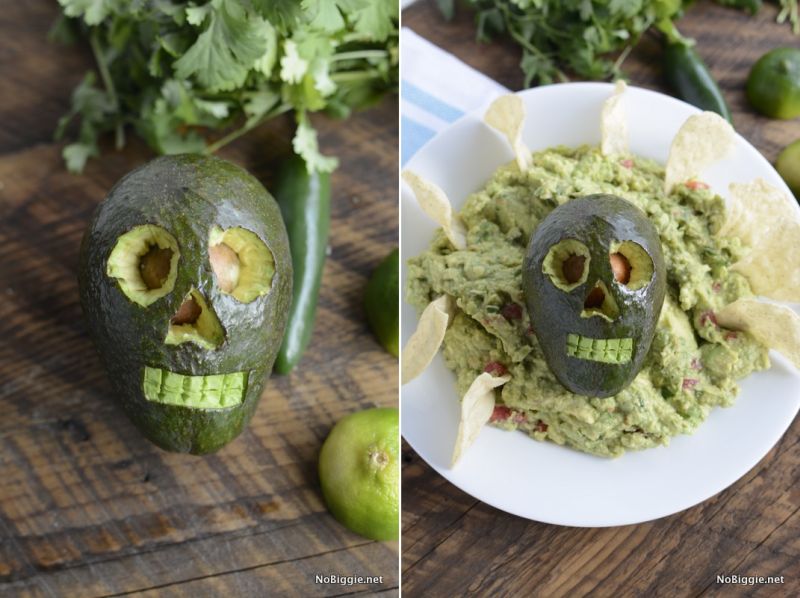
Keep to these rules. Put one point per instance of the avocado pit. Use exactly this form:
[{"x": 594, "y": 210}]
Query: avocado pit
[
  {"x": 225, "y": 264},
  {"x": 621, "y": 267},
  {"x": 573, "y": 268},
  {"x": 187, "y": 313},
  {"x": 154, "y": 266},
  {"x": 594, "y": 299}
]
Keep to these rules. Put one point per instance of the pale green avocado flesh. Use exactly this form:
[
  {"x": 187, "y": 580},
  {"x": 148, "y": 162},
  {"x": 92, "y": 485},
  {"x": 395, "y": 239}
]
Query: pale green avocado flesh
[
  {"x": 606, "y": 350},
  {"x": 255, "y": 264},
  {"x": 217, "y": 391},
  {"x": 128, "y": 257}
]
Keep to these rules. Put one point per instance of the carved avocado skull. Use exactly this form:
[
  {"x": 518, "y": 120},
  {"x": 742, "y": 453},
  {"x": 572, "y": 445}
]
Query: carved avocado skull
[
  {"x": 594, "y": 282},
  {"x": 185, "y": 283}
]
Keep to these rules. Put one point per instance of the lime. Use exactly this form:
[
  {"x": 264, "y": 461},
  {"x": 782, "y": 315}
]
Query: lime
[
  {"x": 773, "y": 86},
  {"x": 360, "y": 474},
  {"x": 381, "y": 302},
  {"x": 788, "y": 166}
]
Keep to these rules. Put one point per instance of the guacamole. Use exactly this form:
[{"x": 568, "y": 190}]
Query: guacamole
[{"x": 693, "y": 363}]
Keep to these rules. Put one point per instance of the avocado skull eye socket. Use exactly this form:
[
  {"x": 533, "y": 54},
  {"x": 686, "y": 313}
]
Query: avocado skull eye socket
[
  {"x": 631, "y": 264},
  {"x": 242, "y": 263},
  {"x": 144, "y": 261},
  {"x": 567, "y": 264}
]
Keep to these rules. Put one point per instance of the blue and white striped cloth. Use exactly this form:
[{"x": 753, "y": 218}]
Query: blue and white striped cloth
[{"x": 436, "y": 89}]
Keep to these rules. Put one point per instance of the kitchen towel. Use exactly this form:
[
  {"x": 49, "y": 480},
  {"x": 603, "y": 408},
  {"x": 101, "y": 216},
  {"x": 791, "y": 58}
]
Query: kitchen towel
[{"x": 436, "y": 88}]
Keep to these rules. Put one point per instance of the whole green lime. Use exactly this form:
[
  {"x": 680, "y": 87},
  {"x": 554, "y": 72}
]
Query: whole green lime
[
  {"x": 381, "y": 302},
  {"x": 360, "y": 473},
  {"x": 773, "y": 86},
  {"x": 788, "y": 166}
]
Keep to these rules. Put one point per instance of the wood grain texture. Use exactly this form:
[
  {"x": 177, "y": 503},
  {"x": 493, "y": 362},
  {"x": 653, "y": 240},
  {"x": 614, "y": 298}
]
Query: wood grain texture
[
  {"x": 456, "y": 545},
  {"x": 87, "y": 506}
]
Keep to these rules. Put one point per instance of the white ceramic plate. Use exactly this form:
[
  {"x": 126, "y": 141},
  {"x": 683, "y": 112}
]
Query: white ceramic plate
[{"x": 540, "y": 480}]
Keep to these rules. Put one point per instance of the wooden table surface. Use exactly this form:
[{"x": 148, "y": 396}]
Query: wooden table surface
[
  {"x": 454, "y": 544},
  {"x": 88, "y": 507}
]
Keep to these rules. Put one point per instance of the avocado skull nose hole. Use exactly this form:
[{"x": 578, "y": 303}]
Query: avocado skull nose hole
[
  {"x": 594, "y": 299},
  {"x": 154, "y": 266},
  {"x": 187, "y": 313},
  {"x": 195, "y": 322},
  {"x": 572, "y": 268},
  {"x": 599, "y": 302}
]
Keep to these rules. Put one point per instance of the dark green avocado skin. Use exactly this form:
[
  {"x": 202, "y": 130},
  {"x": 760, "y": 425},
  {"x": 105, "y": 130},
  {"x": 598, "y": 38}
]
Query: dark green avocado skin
[
  {"x": 595, "y": 220},
  {"x": 186, "y": 195}
]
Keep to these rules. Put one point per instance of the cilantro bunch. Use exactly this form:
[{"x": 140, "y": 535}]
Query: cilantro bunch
[
  {"x": 193, "y": 76},
  {"x": 590, "y": 38}
]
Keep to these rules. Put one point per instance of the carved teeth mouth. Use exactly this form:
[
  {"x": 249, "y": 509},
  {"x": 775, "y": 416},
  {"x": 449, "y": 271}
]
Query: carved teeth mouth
[
  {"x": 217, "y": 391},
  {"x": 605, "y": 350}
]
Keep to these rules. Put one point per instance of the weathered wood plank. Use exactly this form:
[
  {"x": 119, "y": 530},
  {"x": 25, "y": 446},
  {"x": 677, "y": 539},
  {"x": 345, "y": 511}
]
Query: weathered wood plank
[
  {"x": 294, "y": 577},
  {"x": 225, "y": 555}
]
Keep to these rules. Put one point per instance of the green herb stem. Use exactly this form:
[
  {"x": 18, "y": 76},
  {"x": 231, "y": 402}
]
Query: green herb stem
[
  {"x": 108, "y": 84},
  {"x": 351, "y": 76},
  {"x": 360, "y": 55},
  {"x": 622, "y": 56},
  {"x": 246, "y": 128}
]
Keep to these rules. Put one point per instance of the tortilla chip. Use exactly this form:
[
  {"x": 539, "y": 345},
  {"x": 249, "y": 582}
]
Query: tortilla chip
[
  {"x": 427, "y": 338},
  {"x": 435, "y": 204},
  {"x": 766, "y": 219},
  {"x": 507, "y": 115},
  {"x": 775, "y": 326},
  {"x": 613, "y": 123},
  {"x": 702, "y": 140},
  {"x": 476, "y": 409}
]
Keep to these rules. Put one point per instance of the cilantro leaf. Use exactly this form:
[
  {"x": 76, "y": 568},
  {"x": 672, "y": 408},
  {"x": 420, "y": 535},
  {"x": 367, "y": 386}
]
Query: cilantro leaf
[
  {"x": 324, "y": 15},
  {"x": 373, "y": 18},
  {"x": 306, "y": 146},
  {"x": 260, "y": 103},
  {"x": 284, "y": 14},
  {"x": 266, "y": 63},
  {"x": 196, "y": 15},
  {"x": 293, "y": 66},
  {"x": 92, "y": 11},
  {"x": 76, "y": 154},
  {"x": 225, "y": 51}
]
